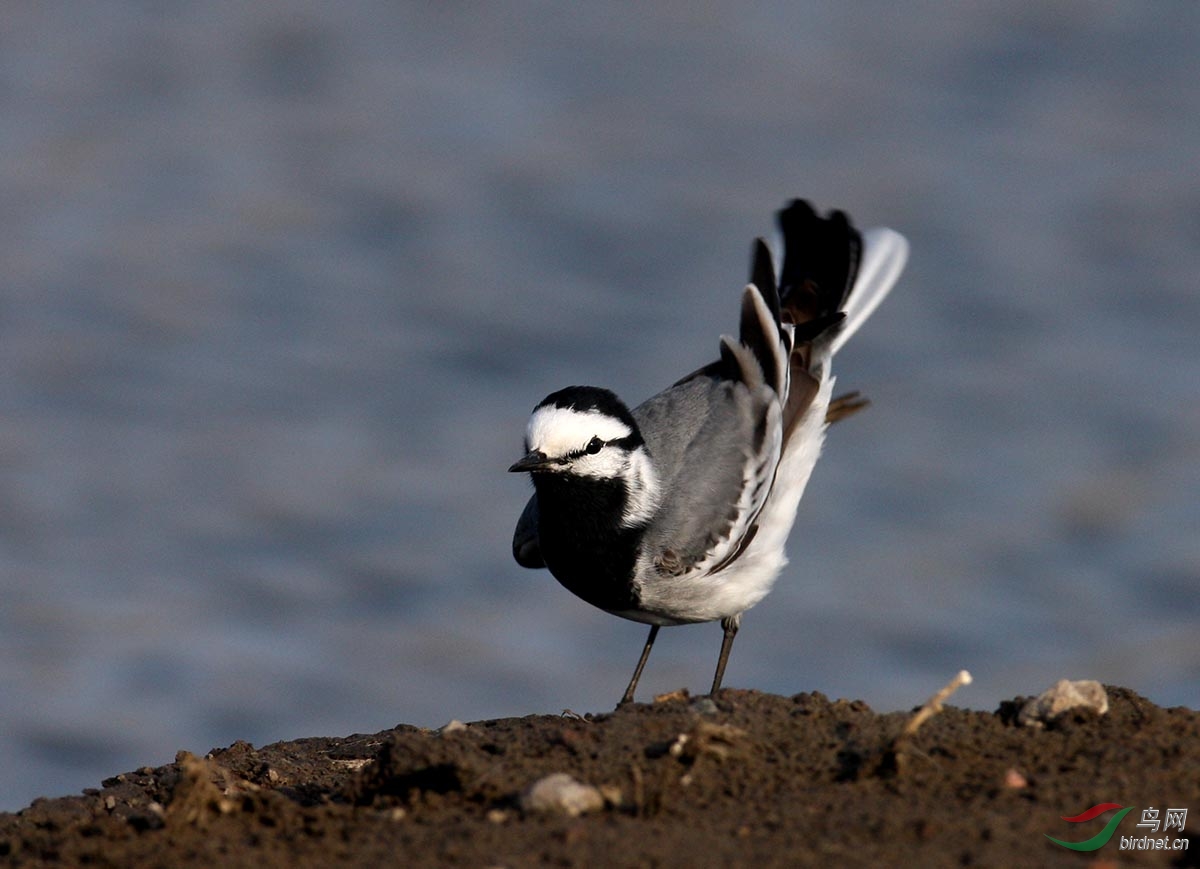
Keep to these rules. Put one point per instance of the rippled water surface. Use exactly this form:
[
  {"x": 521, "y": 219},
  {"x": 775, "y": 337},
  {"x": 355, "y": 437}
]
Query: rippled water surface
[{"x": 279, "y": 284}]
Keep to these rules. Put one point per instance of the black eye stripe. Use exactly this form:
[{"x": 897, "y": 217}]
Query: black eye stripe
[
  {"x": 629, "y": 443},
  {"x": 596, "y": 444}
]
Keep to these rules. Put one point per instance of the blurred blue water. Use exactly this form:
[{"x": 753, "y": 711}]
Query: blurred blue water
[{"x": 280, "y": 283}]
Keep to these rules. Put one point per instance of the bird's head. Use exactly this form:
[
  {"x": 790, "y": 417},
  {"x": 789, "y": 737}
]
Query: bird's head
[{"x": 580, "y": 431}]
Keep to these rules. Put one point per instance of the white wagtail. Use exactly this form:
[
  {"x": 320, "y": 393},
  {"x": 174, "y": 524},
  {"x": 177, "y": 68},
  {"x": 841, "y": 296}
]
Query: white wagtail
[{"x": 678, "y": 511}]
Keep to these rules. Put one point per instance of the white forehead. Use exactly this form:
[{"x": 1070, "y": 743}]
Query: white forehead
[{"x": 557, "y": 431}]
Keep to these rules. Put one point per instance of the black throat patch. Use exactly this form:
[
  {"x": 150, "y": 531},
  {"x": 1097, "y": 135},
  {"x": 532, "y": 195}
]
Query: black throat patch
[{"x": 582, "y": 540}]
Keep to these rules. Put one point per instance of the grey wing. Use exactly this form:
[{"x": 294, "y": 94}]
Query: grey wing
[
  {"x": 526, "y": 548},
  {"x": 715, "y": 443}
]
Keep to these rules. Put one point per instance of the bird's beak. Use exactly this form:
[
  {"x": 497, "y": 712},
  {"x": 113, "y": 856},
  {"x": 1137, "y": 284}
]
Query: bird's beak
[{"x": 535, "y": 460}]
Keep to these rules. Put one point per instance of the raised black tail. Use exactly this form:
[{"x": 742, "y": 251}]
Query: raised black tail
[{"x": 821, "y": 256}]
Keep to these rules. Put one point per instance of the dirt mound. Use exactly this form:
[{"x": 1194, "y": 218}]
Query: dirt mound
[{"x": 750, "y": 779}]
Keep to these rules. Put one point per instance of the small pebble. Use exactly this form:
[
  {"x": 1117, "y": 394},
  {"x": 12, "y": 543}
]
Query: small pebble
[
  {"x": 451, "y": 726},
  {"x": 1013, "y": 779},
  {"x": 705, "y": 706},
  {"x": 1064, "y": 696},
  {"x": 612, "y": 795},
  {"x": 561, "y": 794}
]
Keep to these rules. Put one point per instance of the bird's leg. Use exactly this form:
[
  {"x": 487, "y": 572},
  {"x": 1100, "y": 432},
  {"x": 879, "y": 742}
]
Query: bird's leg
[
  {"x": 731, "y": 625},
  {"x": 637, "y": 671}
]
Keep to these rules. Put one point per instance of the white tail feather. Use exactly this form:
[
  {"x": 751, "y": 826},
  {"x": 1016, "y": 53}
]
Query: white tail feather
[{"x": 884, "y": 253}]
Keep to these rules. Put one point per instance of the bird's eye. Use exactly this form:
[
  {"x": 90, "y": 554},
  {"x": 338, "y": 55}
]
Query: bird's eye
[{"x": 594, "y": 446}]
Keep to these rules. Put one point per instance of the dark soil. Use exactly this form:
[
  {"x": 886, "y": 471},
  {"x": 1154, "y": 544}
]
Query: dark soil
[{"x": 760, "y": 780}]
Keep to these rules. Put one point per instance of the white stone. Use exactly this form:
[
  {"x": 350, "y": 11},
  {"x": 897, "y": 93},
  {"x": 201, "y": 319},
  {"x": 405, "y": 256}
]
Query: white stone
[
  {"x": 1065, "y": 695},
  {"x": 561, "y": 794}
]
